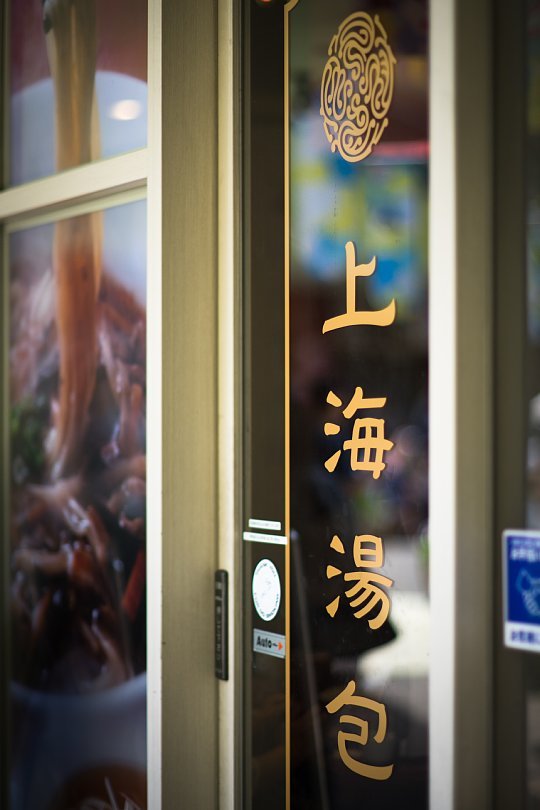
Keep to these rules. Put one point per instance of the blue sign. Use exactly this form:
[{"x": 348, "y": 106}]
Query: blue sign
[{"x": 521, "y": 589}]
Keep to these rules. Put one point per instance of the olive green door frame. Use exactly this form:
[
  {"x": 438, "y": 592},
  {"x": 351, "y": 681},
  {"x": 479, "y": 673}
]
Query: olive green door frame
[{"x": 189, "y": 236}]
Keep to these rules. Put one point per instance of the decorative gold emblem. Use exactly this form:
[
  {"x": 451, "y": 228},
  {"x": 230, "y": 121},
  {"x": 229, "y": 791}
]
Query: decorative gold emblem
[{"x": 357, "y": 86}]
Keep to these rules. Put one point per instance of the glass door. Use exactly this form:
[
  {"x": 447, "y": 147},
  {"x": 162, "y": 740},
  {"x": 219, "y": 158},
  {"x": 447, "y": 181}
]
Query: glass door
[{"x": 335, "y": 532}]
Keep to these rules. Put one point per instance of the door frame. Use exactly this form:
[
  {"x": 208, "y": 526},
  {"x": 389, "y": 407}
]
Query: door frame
[{"x": 461, "y": 399}]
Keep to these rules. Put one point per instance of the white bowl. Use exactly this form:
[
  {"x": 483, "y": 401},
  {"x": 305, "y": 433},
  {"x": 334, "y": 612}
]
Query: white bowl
[{"x": 56, "y": 737}]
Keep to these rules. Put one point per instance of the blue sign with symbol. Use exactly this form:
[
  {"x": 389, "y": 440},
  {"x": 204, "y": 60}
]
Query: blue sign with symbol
[{"x": 521, "y": 584}]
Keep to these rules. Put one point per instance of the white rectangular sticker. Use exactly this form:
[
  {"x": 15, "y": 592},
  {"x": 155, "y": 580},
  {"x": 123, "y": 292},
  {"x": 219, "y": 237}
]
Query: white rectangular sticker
[
  {"x": 259, "y": 537},
  {"x": 269, "y": 525},
  {"x": 269, "y": 643}
]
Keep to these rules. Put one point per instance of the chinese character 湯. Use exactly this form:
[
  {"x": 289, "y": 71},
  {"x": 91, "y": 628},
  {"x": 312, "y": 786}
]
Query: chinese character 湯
[{"x": 366, "y": 593}]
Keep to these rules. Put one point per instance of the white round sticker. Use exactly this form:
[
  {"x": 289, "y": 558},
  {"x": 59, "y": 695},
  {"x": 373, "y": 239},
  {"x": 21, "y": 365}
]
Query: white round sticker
[{"x": 266, "y": 590}]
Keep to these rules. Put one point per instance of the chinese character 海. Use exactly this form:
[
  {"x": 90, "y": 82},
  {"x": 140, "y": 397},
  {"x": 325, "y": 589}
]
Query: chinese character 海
[
  {"x": 366, "y": 593},
  {"x": 348, "y": 698},
  {"x": 352, "y": 316},
  {"x": 367, "y": 444}
]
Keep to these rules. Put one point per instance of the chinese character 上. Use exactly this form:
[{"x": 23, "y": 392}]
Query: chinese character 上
[
  {"x": 348, "y": 698},
  {"x": 352, "y": 316},
  {"x": 367, "y": 435},
  {"x": 367, "y": 592}
]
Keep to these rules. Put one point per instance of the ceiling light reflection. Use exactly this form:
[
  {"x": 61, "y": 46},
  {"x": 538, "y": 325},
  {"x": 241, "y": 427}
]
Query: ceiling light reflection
[{"x": 125, "y": 110}]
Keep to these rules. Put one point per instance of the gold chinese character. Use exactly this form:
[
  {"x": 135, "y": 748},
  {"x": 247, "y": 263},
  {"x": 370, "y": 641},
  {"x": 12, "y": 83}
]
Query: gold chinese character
[
  {"x": 353, "y": 317},
  {"x": 348, "y": 698},
  {"x": 366, "y": 593},
  {"x": 367, "y": 435}
]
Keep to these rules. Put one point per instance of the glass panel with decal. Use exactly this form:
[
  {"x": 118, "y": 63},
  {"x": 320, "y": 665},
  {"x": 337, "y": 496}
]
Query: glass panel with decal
[
  {"x": 359, "y": 499},
  {"x": 76, "y": 511},
  {"x": 77, "y": 83},
  {"x": 345, "y": 291}
]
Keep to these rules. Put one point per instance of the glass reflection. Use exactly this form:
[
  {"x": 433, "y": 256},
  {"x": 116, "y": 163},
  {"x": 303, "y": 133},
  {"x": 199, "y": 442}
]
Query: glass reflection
[
  {"x": 77, "y": 83},
  {"x": 77, "y": 503}
]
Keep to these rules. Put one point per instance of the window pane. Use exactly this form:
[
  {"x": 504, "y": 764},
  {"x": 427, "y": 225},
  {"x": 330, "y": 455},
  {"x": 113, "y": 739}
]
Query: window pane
[
  {"x": 77, "y": 83},
  {"x": 77, "y": 506}
]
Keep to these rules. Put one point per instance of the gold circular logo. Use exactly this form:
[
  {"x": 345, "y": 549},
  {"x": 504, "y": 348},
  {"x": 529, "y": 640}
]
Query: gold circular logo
[{"x": 357, "y": 86}]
